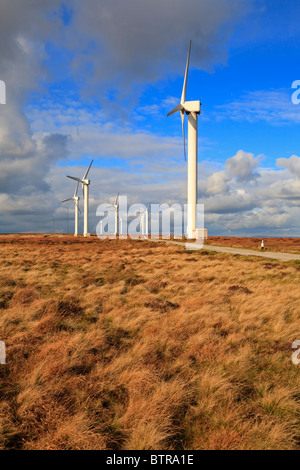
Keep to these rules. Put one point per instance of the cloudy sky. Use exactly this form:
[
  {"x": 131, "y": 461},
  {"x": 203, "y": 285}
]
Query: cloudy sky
[{"x": 95, "y": 80}]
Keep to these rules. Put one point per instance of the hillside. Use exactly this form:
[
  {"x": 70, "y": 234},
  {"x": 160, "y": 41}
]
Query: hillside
[{"x": 139, "y": 345}]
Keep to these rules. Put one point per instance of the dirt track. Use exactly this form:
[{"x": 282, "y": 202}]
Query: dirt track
[
  {"x": 264, "y": 254},
  {"x": 238, "y": 251}
]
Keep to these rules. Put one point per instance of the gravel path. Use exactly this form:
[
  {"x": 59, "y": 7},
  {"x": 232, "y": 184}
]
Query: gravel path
[
  {"x": 242, "y": 251},
  {"x": 236, "y": 251}
]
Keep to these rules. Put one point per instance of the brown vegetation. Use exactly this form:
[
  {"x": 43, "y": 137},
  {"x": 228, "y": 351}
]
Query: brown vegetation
[{"x": 139, "y": 345}]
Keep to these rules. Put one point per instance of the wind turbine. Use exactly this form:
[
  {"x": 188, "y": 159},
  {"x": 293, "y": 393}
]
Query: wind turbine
[
  {"x": 145, "y": 222},
  {"x": 75, "y": 198},
  {"x": 116, "y": 206},
  {"x": 192, "y": 109},
  {"x": 142, "y": 224},
  {"x": 85, "y": 187}
]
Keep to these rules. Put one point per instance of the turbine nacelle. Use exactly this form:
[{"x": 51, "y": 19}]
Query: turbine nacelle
[
  {"x": 74, "y": 198},
  {"x": 187, "y": 107},
  {"x": 83, "y": 181},
  {"x": 192, "y": 107}
]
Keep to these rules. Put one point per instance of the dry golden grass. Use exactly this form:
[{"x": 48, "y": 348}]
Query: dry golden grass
[{"x": 138, "y": 345}]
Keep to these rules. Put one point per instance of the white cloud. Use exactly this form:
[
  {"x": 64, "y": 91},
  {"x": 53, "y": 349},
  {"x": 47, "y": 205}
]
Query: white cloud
[
  {"x": 292, "y": 164},
  {"x": 274, "y": 107},
  {"x": 242, "y": 166},
  {"x": 217, "y": 183}
]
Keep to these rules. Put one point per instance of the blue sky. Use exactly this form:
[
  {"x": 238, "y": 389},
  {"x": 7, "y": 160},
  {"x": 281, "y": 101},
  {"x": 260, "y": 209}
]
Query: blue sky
[{"x": 96, "y": 79}]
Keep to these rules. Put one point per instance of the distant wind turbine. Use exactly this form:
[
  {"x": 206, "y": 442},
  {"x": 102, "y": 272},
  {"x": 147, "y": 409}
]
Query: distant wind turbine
[
  {"x": 116, "y": 206},
  {"x": 145, "y": 222},
  {"x": 75, "y": 198},
  {"x": 142, "y": 224},
  {"x": 85, "y": 188},
  {"x": 192, "y": 109}
]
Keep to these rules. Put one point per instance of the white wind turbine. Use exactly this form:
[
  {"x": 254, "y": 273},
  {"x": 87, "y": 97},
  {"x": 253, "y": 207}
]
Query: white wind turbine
[
  {"x": 192, "y": 109},
  {"x": 142, "y": 224},
  {"x": 85, "y": 187},
  {"x": 116, "y": 206},
  {"x": 75, "y": 198},
  {"x": 145, "y": 222}
]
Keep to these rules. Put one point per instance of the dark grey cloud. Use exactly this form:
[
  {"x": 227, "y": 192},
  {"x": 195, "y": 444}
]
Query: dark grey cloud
[
  {"x": 24, "y": 158},
  {"x": 116, "y": 45},
  {"x": 24, "y": 174},
  {"x": 120, "y": 44}
]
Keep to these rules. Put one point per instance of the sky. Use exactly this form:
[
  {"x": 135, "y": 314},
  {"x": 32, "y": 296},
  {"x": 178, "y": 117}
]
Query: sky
[{"x": 96, "y": 79}]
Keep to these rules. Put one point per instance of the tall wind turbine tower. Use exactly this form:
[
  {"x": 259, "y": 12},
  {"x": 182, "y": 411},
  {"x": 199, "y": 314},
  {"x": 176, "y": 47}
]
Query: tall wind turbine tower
[
  {"x": 85, "y": 187},
  {"x": 145, "y": 222},
  {"x": 116, "y": 206},
  {"x": 192, "y": 109},
  {"x": 75, "y": 198}
]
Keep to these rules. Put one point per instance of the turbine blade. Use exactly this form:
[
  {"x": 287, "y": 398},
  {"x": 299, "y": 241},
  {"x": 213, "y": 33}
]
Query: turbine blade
[
  {"x": 70, "y": 199},
  {"x": 117, "y": 200},
  {"x": 179, "y": 107},
  {"x": 183, "y": 133},
  {"x": 87, "y": 171},
  {"x": 76, "y": 179},
  {"x": 183, "y": 96},
  {"x": 75, "y": 194}
]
